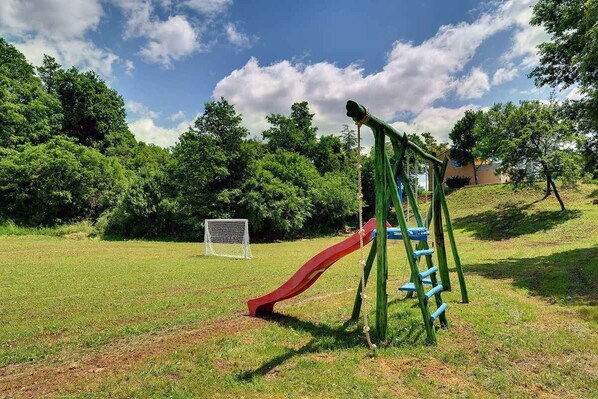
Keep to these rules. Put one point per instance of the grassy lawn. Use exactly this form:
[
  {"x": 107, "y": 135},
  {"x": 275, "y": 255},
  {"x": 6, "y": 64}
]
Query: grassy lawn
[{"x": 87, "y": 318}]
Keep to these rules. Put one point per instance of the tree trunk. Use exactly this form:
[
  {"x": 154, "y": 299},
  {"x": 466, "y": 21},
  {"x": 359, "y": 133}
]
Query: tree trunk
[
  {"x": 556, "y": 194},
  {"x": 548, "y": 181},
  {"x": 475, "y": 172}
]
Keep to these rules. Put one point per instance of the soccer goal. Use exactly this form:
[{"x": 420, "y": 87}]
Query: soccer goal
[{"x": 227, "y": 237}]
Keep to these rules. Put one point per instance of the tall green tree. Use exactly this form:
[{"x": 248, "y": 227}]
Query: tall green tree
[
  {"x": 93, "y": 113},
  {"x": 209, "y": 163},
  {"x": 294, "y": 133},
  {"x": 328, "y": 154},
  {"x": 464, "y": 149},
  {"x": 28, "y": 114},
  {"x": 279, "y": 194},
  {"x": 569, "y": 58},
  {"x": 349, "y": 139}
]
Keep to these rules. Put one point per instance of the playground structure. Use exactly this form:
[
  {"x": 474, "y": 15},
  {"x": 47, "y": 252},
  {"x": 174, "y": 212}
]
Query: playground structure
[{"x": 389, "y": 186}]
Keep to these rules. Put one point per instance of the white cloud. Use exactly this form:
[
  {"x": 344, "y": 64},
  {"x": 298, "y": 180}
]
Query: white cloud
[
  {"x": 526, "y": 37},
  {"x": 57, "y": 19},
  {"x": 140, "y": 110},
  {"x": 413, "y": 78},
  {"x": 146, "y": 130},
  {"x": 177, "y": 116},
  {"x": 129, "y": 67},
  {"x": 167, "y": 41},
  {"x": 57, "y": 28},
  {"x": 142, "y": 123},
  {"x": 474, "y": 85},
  {"x": 208, "y": 7},
  {"x": 438, "y": 121},
  {"x": 502, "y": 75},
  {"x": 236, "y": 37},
  {"x": 170, "y": 40},
  {"x": 69, "y": 52}
]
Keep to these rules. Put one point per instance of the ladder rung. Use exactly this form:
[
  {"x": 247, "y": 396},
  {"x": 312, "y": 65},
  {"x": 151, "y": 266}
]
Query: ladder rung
[
  {"x": 433, "y": 292},
  {"x": 438, "y": 312},
  {"x": 411, "y": 286},
  {"x": 414, "y": 233},
  {"x": 422, "y": 252},
  {"x": 425, "y": 274}
]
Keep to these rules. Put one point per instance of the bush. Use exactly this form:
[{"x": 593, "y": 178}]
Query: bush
[
  {"x": 144, "y": 211},
  {"x": 57, "y": 182},
  {"x": 457, "y": 181}
]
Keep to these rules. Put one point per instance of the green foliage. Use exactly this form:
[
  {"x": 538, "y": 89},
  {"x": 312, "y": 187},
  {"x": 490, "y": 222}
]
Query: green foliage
[
  {"x": 328, "y": 154},
  {"x": 274, "y": 208},
  {"x": 57, "y": 182},
  {"x": 94, "y": 114},
  {"x": 209, "y": 164},
  {"x": 336, "y": 201},
  {"x": 533, "y": 141},
  {"x": 295, "y": 133},
  {"x": 144, "y": 211},
  {"x": 432, "y": 146},
  {"x": 28, "y": 114},
  {"x": 570, "y": 57},
  {"x": 349, "y": 139},
  {"x": 64, "y": 137},
  {"x": 465, "y": 141}
]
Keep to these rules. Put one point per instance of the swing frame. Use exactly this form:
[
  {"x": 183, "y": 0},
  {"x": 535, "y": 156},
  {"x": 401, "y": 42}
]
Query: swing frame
[{"x": 386, "y": 194}]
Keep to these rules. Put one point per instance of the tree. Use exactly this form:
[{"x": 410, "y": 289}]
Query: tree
[
  {"x": 328, "y": 154},
  {"x": 533, "y": 141},
  {"x": 28, "y": 114},
  {"x": 209, "y": 163},
  {"x": 569, "y": 58},
  {"x": 295, "y": 133},
  {"x": 94, "y": 114},
  {"x": 464, "y": 149},
  {"x": 57, "y": 182},
  {"x": 280, "y": 194},
  {"x": 432, "y": 146},
  {"x": 349, "y": 139}
]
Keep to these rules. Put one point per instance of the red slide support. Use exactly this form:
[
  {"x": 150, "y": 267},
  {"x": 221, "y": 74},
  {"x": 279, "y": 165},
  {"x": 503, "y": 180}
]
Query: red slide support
[{"x": 309, "y": 272}]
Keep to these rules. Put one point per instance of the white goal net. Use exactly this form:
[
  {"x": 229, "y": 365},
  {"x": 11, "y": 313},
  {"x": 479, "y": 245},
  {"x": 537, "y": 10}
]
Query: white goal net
[{"x": 227, "y": 237}]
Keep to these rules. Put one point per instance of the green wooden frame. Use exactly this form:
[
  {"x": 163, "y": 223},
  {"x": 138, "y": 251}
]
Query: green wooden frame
[{"x": 386, "y": 193}]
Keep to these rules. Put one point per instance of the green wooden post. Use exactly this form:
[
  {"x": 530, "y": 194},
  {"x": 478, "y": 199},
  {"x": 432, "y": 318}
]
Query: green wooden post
[
  {"x": 440, "y": 249},
  {"x": 449, "y": 230},
  {"x": 381, "y": 177},
  {"x": 435, "y": 192},
  {"x": 412, "y": 263},
  {"x": 372, "y": 254},
  {"x": 366, "y": 274}
]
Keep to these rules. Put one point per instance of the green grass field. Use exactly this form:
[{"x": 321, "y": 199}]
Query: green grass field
[{"x": 84, "y": 318}]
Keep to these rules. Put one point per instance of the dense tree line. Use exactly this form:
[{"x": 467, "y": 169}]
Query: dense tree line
[{"x": 66, "y": 154}]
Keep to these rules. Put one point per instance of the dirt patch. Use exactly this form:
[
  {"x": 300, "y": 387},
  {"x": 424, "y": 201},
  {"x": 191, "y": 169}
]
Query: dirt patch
[{"x": 39, "y": 379}]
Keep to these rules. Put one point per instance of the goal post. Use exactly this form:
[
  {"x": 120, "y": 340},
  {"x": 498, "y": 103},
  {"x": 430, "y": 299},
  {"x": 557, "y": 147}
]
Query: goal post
[{"x": 227, "y": 237}]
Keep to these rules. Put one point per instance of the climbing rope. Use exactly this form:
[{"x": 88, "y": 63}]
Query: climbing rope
[{"x": 366, "y": 326}]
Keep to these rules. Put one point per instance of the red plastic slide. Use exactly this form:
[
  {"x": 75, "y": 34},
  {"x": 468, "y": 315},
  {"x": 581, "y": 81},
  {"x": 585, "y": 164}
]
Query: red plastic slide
[{"x": 309, "y": 272}]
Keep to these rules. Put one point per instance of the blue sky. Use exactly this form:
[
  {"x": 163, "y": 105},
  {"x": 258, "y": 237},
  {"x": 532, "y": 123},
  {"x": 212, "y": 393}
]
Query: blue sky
[{"x": 418, "y": 64}]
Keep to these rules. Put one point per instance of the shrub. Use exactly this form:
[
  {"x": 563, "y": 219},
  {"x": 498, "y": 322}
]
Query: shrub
[
  {"x": 457, "y": 181},
  {"x": 58, "y": 182}
]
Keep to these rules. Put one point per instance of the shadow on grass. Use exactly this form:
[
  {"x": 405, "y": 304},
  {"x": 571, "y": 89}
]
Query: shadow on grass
[
  {"x": 569, "y": 277},
  {"x": 403, "y": 330},
  {"x": 511, "y": 219}
]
